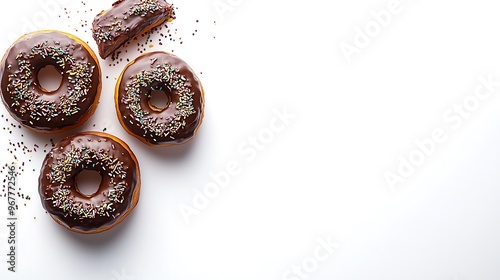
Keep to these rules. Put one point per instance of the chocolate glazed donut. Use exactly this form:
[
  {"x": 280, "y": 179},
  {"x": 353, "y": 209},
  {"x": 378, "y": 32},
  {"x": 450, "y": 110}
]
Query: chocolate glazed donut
[
  {"x": 118, "y": 192},
  {"x": 175, "y": 124},
  {"x": 33, "y": 106}
]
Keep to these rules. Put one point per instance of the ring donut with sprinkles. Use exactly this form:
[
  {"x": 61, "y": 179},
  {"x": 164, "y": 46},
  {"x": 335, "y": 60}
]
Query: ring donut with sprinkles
[
  {"x": 176, "y": 123},
  {"x": 118, "y": 192},
  {"x": 33, "y": 106}
]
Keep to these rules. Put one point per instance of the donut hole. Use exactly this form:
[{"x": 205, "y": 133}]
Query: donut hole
[
  {"x": 49, "y": 78},
  {"x": 88, "y": 182},
  {"x": 159, "y": 100}
]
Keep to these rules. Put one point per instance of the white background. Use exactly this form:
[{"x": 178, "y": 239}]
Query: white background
[{"x": 322, "y": 176}]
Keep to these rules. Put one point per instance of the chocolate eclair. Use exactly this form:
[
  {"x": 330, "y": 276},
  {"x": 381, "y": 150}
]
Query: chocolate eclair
[{"x": 127, "y": 19}]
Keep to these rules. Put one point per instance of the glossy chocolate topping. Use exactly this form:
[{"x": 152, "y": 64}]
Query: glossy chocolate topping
[
  {"x": 175, "y": 124},
  {"x": 125, "y": 20},
  {"x": 89, "y": 151},
  {"x": 33, "y": 106}
]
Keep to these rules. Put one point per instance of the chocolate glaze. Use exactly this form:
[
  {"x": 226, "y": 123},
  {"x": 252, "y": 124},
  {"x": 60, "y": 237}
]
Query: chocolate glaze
[
  {"x": 33, "y": 115},
  {"x": 148, "y": 62},
  {"x": 127, "y": 19},
  {"x": 98, "y": 143}
]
